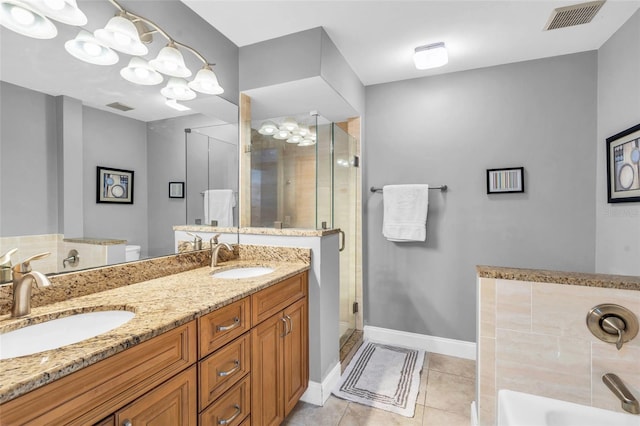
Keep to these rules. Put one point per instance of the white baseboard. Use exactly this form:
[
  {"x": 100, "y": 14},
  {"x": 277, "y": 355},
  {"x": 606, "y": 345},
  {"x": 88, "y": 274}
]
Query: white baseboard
[
  {"x": 439, "y": 345},
  {"x": 318, "y": 393}
]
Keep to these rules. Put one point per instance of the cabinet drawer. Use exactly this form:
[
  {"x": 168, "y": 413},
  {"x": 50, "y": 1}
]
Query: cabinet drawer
[
  {"x": 172, "y": 403},
  {"x": 271, "y": 300},
  {"x": 231, "y": 408},
  {"x": 223, "y": 325},
  {"x": 90, "y": 394},
  {"x": 223, "y": 368}
]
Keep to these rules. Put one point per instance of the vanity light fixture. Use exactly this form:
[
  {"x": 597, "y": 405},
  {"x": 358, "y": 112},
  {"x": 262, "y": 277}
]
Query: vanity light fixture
[
  {"x": 295, "y": 139},
  {"x": 206, "y": 81},
  {"x": 430, "y": 56},
  {"x": 175, "y": 105},
  {"x": 170, "y": 62},
  {"x": 86, "y": 48},
  {"x": 289, "y": 124},
  {"x": 307, "y": 142},
  {"x": 140, "y": 72},
  {"x": 122, "y": 35},
  {"x": 65, "y": 11},
  {"x": 268, "y": 128},
  {"x": 25, "y": 19},
  {"x": 282, "y": 134},
  {"x": 177, "y": 89}
]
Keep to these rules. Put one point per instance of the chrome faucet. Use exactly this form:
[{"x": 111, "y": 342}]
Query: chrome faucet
[
  {"x": 629, "y": 402},
  {"x": 215, "y": 248},
  {"x": 197, "y": 241},
  {"x": 23, "y": 279}
]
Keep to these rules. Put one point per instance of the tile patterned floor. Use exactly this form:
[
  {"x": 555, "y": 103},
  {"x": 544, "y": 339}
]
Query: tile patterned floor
[{"x": 447, "y": 387}]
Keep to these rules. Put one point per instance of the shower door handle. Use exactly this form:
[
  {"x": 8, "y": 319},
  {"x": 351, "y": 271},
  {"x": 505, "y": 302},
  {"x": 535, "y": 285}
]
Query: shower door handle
[{"x": 342, "y": 244}]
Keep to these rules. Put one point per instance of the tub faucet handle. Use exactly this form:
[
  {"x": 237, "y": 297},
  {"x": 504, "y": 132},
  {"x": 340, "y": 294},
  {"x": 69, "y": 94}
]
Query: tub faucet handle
[{"x": 615, "y": 325}]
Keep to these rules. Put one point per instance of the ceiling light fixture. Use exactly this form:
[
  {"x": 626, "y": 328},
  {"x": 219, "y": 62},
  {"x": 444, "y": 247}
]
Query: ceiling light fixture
[
  {"x": 282, "y": 134},
  {"x": 206, "y": 81},
  {"x": 140, "y": 72},
  {"x": 430, "y": 56},
  {"x": 289, "y": 124},
  {"x": 170, "y": 62},
  {"x": 26, "y": 20},
  {"x": 86, "y": 48},
  {"x": 175, "y": 105},
  {"x": 65, "y": 11},
  {"x": 268, "y": 128}
]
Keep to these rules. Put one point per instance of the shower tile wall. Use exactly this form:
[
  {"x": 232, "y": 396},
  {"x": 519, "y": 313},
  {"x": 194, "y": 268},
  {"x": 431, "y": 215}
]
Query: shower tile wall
[{"x": 533, "y": 338}]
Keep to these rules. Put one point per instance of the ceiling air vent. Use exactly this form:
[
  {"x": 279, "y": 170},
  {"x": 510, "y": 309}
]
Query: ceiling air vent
[
  {"x": 576, "y": 14},
  {"x": 121, "y": 107}
]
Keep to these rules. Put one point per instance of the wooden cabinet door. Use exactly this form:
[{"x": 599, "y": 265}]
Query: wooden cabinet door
[
  {"x": 172, "y": 403},
  {"x": 296, "y": 354},
  {"x": 267, "y": 407}
]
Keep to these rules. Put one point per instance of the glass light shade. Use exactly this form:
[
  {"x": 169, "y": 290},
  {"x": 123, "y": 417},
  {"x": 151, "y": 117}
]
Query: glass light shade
[
  {"x": 170, "y": 62},
  {"x": 177, "y": 89},
  {"x": 140, "y": 72},
  {"x": 206, "y": 82},
  {"x": 122, "y": 35},
  {"x": 65, "y": 11},
  {"x": 302, "y": 130},
  {"x": 307, "y": 142},
  {"x": 23, "y": 19},
  {"x": 268, "y": 128},
  {"x": 282, "y": 134},
  {"x": 430, "y": 56},
  {"x": 289, "y": 124},
  {"x": 295, "y": 139},
  {"x": 86, "y": 48}
]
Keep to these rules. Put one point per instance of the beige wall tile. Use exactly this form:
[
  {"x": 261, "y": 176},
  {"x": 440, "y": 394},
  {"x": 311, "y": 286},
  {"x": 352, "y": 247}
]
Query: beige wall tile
[
  {"x": 486, "y": 385},
  {"x": 513, "y": 305},
  {"x": 625, "y": 363},
  {"x": 561, "y": 310},
  {"x": 487, "y": 308},
  {"x": 544, "y": 365}
]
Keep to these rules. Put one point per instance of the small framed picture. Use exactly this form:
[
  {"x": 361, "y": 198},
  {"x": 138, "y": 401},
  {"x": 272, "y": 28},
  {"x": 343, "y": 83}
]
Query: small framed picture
[
  {"x": 176, "y": 189},
  {"x": 623, "y": 166},
  {"x": 114, "y": 186},
  {"x": 506, "y": 180}
]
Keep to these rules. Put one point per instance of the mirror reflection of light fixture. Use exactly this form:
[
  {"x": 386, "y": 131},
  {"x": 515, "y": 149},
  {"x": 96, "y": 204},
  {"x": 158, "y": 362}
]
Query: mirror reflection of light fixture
[
  {"x": 268, "y": 128},
  {"x": 140, "y": 72},
  {"x": 170, "y": 62},
  {"x": 86, "y": 48},
  {"x": 295, "y": 139},
  {"x": 177, "y": 89},
  {"x": 26, "y": 20},
  {"x": 65, "y": 11},
  {"x": 175, "y": 105},
  {"x": 122, "y": 35},
  {"x": 307, "y": 142},
  {"x": 430, "y": 56},
  {"x": 289, "y": 124},
  {"x": 282, "y": 134},
  {"x": 206, "y": 82}
]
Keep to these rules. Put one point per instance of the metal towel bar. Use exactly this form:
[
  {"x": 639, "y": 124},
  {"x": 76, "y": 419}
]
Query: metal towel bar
[{"x": 442, "y": 188}]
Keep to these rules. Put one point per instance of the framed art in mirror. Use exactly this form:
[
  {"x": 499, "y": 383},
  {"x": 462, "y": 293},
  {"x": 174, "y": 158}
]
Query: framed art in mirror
[
  {"x": 114, "y": 185},
  {"x": 623, "y": 166}
]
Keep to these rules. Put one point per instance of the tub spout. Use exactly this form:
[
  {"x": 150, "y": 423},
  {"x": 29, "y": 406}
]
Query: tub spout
[{"x": 629, "y": 402}]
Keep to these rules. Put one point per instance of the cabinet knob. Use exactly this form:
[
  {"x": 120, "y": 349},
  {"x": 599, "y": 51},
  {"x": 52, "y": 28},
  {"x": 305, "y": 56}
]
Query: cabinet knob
[{"x": 127, "y": 422}]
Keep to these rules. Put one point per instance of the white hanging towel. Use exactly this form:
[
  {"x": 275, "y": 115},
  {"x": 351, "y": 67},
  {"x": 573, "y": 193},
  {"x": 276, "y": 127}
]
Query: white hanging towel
[
  {"x": 218, "y": 205},
  {"x": 405, "y": 212}
]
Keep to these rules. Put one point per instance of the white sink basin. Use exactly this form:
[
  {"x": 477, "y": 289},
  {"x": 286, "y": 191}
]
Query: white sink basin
[
  {"x": 522, "y": 409},
  {"x": 248, "y": 272},
  {"x": 60, "y": 332}
]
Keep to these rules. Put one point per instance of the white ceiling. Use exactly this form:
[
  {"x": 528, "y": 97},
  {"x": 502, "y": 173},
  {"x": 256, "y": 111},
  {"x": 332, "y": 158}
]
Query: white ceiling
[{"x": 377, "y": 38}]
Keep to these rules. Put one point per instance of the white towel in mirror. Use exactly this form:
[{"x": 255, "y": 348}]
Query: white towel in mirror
[
  {"x": 405, "y": 212},
  {"x": 218, "y": 205}
]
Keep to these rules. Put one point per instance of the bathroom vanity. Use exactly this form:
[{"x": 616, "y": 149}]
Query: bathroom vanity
[{"x": 200, "y": 350}]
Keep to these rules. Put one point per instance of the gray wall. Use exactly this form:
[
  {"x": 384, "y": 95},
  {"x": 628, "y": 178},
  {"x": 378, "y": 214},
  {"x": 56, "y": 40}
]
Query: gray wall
[
  {"x": 618, "y": 225},
  {"x": 449, "y": 129},
  {"x": 28, "y": 162},
  {"x": 111, "y": 140}
]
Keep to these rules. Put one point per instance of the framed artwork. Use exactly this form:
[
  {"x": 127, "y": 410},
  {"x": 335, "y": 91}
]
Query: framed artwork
[
  {"x": 505, "y": 180},
  {"x": 623, "y": 166},
  {"x": 176, "y": 189},
  {"x": 114, "y": 186}
]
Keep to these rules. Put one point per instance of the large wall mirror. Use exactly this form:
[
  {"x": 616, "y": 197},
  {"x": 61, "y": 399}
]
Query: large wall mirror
[{"x": 56, "y": 130}]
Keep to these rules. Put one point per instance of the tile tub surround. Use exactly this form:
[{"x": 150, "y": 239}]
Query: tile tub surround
[
  {"x": 160, "y": 305},
  {"x": 533, "y": 338},
  {"x": 287, "y": 232}
]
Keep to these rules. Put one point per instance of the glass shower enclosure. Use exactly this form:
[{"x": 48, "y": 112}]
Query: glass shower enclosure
[{"x": 304, "y": 175}]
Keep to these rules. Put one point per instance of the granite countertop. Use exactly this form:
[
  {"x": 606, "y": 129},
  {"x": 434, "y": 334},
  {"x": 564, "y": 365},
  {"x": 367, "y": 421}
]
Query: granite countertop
[
  {"x": 95, "y": 241},
  {"x": 624, "y": 282},
  {"x": 287, "y": 232},
  {"x": 160, "y": 305}
]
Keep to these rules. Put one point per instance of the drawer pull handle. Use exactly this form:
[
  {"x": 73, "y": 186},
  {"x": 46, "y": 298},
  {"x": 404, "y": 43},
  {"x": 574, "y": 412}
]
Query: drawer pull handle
[
  {"x": 233, "y": 370},
  {"x": 290, "y": 324},
  {"x": 236, "y": 322},
  {"x": 284, "y": 330},
  {"x": 232, "y": 418}
]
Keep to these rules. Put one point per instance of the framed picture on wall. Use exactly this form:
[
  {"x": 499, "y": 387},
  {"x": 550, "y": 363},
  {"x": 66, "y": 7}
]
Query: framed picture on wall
[
  {"x": 114, "y": 186},
  {"x": 623, "y": 166},
  {"x": 176, "y": 189},
  {"x": 507, "y": 180}
]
